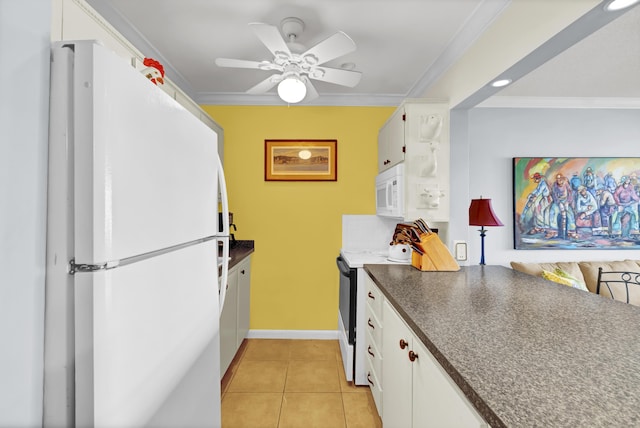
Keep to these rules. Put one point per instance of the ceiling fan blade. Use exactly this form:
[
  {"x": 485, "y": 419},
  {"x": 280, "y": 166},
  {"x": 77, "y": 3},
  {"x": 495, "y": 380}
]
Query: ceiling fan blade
[
  {"x": 271, "y": 38},
  {"x": 333, "y": 47},
  {"x": 265, "y": 85},
  {"x": 241, "y": 63},
  {"x": 312, "y": 94},
  {"x": 335, "y": 75}
]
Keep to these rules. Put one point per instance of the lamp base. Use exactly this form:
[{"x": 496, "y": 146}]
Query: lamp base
[{"x": 483, "y": 232}]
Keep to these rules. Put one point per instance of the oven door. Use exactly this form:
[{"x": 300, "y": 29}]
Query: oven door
[{"x": 347, "y": 302}]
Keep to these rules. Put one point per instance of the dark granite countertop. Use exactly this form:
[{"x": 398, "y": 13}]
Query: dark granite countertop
[
  {"x": 239, "y": 251},
  {"x": 525, "y": 351}
]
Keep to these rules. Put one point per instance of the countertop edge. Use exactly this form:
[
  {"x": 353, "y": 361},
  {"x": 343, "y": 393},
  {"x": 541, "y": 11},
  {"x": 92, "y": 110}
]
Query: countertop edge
[{"x": 240, "y": 251}]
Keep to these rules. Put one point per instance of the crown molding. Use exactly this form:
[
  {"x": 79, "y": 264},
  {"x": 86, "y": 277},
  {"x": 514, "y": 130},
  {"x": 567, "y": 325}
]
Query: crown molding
[
  {"x": 560, "y": 102},
  {"x": 484, "y": 15}
]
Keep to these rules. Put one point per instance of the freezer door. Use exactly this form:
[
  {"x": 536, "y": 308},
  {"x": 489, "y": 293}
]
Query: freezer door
[
  {"x": 145, "y": 168},
  {"x": 147, "y": 342}
]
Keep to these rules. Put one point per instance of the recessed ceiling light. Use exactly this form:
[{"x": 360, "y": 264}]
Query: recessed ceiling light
[
  {"x": 500, "y": 83},
  {"x": 614, "y": 5}
]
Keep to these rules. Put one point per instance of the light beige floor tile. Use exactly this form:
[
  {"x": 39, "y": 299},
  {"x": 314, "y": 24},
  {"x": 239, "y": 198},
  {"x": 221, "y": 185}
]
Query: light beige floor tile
[
  {"x": 233, "y": 367},
  {"x": 314, "y": 350},
  {"x": 267, "y": 349},
  {"x": 344, "y": 385},
  {"x": 259, "y": 376},
  {"x": 360, "y": 411},
  {"x": 312, "y": 376},
  {"x": 312, "y": 410},
  {"x": 247, "y": 409}
]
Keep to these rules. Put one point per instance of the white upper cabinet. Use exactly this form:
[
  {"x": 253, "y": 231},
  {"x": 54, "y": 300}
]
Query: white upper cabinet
[
  {"x": 418, "y": 134},
  {"x": 391, "y": 142}
]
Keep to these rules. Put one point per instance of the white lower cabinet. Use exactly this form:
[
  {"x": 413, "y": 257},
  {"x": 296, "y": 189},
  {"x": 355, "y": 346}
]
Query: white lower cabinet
[
  {"x": 244, "y": 291},
  {"x": 417, "y": 391},
  {"x": 373, "y": 341},
  {"x": 229, "y": 322},
  {"x": 234, "y": 320},
  {"x": 408, "y": 385}
]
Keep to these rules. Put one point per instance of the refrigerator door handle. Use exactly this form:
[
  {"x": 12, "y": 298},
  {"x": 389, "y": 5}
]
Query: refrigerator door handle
[
  {"x": 225, "y": 271},
  {"x": 224, "y": 198},
  {"x": 86, "y": 267},
  {"x": 225, "y": 235}
]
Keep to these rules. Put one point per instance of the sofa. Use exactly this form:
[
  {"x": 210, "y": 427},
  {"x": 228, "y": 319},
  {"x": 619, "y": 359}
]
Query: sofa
[{"x": 583, "y": 275}]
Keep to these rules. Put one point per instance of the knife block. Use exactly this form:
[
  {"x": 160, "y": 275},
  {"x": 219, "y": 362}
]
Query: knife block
[{"x": 436, "y": 255}]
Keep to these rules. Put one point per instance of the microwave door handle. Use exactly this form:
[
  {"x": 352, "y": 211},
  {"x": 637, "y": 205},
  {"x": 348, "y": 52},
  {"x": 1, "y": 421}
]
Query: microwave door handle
[{"x": 389, "y": 195}]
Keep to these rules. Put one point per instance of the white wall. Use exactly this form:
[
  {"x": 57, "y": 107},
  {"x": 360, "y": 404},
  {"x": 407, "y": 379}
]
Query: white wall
[
  {"x": 495, "y": 136},
  {"x": 24, "y": 73}
]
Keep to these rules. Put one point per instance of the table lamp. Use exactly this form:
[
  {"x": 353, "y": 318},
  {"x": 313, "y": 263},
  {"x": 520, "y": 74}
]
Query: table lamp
[{"x": 481, "y": 214}]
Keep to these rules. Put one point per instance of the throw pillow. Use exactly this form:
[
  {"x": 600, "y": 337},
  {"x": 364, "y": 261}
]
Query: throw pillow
[
  {"x": 575, "y": 282},
  {"x": 555, "y": 278},
  {"x": 561, "y": 277}
]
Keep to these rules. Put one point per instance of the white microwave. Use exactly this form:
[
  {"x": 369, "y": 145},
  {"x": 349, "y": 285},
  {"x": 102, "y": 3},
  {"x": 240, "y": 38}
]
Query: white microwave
[{"x": 390, "y": 192}]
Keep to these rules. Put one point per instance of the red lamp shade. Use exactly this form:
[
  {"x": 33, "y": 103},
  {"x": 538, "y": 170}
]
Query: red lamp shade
[{"x": 481, "y": 213}]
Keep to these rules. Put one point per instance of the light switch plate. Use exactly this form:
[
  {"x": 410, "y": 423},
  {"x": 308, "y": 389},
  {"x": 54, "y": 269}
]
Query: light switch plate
[{"x": 460, "y": 250}]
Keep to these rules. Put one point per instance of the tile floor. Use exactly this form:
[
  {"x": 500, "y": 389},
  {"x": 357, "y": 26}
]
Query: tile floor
[{"x": 282, "y": 383}]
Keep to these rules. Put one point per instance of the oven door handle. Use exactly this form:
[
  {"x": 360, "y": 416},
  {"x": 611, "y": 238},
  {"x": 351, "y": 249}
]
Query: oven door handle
[{"x": 342, "y": 266}]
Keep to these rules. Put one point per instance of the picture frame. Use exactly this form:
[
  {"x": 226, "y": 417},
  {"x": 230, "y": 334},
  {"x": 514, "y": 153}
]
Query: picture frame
[
  {"x": 576, "y": 203},
  {"x": 300, "y": 160}
]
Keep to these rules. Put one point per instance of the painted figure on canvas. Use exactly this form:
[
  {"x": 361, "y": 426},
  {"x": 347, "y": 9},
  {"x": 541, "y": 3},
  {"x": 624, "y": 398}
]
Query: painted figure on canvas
[
  {"x": 587, "y": 211},
  {"x": 535, "y": 211},
  {"x": 627, "y": 201},
  {"x": 598, "y": 207},
  {"x": 561, "y": 218}
]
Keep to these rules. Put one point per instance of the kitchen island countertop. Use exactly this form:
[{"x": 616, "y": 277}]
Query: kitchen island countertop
[{"x": 525, "y": 351}]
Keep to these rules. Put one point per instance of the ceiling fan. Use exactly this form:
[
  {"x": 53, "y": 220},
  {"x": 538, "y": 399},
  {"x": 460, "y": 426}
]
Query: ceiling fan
[{"x": 296, "y": 66}]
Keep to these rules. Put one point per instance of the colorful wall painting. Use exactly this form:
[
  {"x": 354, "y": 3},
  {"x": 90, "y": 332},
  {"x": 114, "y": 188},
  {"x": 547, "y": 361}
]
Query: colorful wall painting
[{"x": 576, "y": 203}]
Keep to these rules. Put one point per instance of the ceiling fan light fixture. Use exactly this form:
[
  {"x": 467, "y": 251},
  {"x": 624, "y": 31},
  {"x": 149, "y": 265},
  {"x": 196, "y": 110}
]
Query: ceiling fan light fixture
[
  {"x": 292, "y": 90},
  {"x": 613, "y": 5}
]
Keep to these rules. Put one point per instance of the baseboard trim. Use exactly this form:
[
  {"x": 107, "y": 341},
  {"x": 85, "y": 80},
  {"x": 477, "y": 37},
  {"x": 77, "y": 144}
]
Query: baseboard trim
[{"x": 293, "y": 334}]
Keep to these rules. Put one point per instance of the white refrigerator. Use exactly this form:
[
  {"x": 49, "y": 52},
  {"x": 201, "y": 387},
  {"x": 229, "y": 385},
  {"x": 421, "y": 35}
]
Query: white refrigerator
[{"x": 134, "y": 266}]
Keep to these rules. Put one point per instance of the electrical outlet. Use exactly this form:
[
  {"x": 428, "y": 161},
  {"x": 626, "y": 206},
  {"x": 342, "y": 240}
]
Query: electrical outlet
[{"x": 460, "y": 250}]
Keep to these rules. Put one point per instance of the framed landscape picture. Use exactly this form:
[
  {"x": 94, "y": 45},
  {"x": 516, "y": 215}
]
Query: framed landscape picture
[
  {"x": 576, "y": 203},
  {"x": 300, "y": 160}
]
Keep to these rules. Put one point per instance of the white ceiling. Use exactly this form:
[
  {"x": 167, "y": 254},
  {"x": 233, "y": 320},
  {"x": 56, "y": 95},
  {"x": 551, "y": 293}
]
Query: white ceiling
[
  {"x": 402, "y": 47},
  {"x": 603, "y": 67}
]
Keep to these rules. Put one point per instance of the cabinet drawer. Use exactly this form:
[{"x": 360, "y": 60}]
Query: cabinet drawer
[
  {"x": 374, "y": 298},
  {"x": 376, "y": 388},
  {"x": 374, "y": 356},
  {"x": 374, "y": 328}
]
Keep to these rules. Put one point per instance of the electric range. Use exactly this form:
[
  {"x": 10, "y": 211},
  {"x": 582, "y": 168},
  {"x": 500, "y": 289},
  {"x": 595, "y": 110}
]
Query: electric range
[{"x": 352, "y": 308}]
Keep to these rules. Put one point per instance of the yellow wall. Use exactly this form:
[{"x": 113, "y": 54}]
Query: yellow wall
[{"x": 297, "y": 226}]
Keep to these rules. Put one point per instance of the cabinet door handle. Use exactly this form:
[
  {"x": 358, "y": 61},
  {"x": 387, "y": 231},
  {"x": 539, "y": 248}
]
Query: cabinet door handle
[
  {"x": 369, "y": 379},
  {"x": 413, "y": 356},
  {"x": 370, "y": 353},
  {"x": 242, "y": 271},
  {"x": 371, "y": 296},
  {"x": 403, "y": 344},
  {"x": 371, "y": 324}
]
